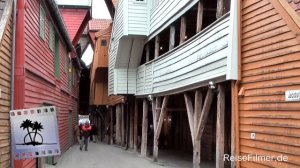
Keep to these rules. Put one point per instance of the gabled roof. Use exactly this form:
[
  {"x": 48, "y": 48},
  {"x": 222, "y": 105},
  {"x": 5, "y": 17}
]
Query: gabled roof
[
  {"x": 99, "y": 24},
  {"x": 75, "y": 20}
]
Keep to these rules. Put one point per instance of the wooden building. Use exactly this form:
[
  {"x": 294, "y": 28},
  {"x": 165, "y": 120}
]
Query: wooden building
[
  {"x": 268, "y": 124},
  {"x": 6, "y": 29},
  {"x": 176, "y": 60},
  {"x": 46, "y": 68}
]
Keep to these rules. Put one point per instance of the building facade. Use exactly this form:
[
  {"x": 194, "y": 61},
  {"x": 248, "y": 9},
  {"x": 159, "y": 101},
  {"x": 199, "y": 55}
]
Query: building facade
[
  {"x": 6, "y": 36},
  {"x": 178, "y": 60},
  {"x": 46, "y": 71}
]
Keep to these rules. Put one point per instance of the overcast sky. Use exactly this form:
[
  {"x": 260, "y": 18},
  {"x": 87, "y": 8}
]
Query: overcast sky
[{"x": 99, "y": 11}]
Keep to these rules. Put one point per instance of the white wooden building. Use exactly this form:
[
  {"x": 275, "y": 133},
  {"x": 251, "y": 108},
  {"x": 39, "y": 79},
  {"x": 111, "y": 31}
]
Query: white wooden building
[{"x": 209, "y": 55}]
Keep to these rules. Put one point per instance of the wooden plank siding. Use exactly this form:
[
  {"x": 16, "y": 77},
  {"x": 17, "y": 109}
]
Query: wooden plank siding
[
  {"x": 5, "y": 99},
  {"x": 41, "y": 86},
  {"x": 199, "y": 59},
  {"x": 270, "y": 49},
  {"x": 137, "y": 17},
  {"x": 118, "y": 30}
]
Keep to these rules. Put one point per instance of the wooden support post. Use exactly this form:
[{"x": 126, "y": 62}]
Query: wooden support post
[
  {"x": 197, "y": 142},
  {"x": 182, "y": 29},
  {"x": 190, "y": 113},
  {"x": 234, "y": 100},
  {"x": 156, "y": 52},
  {"x": 220, "y": 127},
  {"x": 131, "y": 112},
  {"x": 199, "y": 16},
  {"x": 220, "y": 8},
  {"x": 136, "y": 109},
  {"x": 147, "y": 52},
  {"x": 204, "y": 114},
  {"x": 111, "y": 126},
  {"x": 154, "y": 112},
  {"x": 144, "y": 128},
  {"x": 158, "y": 128},
  {"x": 123, "y": 118},
  {"x": 172, "y": 37},
  {"x": 118, "y": 124}
]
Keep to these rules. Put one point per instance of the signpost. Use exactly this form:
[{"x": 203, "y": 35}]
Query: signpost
[{"x": 34, "y": 132}]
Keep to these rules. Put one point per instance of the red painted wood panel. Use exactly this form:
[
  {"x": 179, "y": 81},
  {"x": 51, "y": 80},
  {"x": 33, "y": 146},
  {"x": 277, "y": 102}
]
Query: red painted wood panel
[
  {"x": 73, "y": 19},
  {"x": 40, "y": 83}
]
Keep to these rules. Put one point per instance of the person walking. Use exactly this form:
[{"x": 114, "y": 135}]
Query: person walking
[
  {"x": 78, "y": 133},
  {"x": 86, "y": 129}
]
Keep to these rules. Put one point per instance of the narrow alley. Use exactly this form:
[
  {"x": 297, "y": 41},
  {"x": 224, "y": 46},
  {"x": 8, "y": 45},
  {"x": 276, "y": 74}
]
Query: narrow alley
[{"x": 101, "y": 155}]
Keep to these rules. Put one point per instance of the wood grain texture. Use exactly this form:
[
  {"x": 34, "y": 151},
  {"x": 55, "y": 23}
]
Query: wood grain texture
[
  {"x": 5, "y": 99},
  {"x": 270, "y": 58}
]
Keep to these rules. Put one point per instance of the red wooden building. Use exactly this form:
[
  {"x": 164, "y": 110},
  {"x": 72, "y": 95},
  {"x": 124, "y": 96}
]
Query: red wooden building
[{"x": 45, "y": 72}]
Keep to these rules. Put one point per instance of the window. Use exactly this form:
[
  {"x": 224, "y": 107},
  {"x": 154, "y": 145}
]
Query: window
[
  {"x": 51, "y": 37},
  {"x": 42, "y": 22},
  {"x": 56, "y": 57},
  {"x": 74, "y": 77},
  {"x": 103, "y": 42},
  {"x": 70, "y": 76},
  {"x": 66, "y": 60}
]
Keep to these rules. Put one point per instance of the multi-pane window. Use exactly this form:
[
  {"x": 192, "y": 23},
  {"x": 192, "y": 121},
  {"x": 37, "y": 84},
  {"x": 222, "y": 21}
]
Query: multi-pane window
[
  {"x": 42, "y": 22},
  {"x": 51, "y": 36}
]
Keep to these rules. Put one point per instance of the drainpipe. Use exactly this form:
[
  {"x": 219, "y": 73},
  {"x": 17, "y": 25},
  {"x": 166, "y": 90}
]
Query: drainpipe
[{"x": 12, "y": 82}]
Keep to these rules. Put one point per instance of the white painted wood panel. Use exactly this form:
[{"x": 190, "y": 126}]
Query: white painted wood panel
[
  {"x": 201, "y": 58},
  {"x": 137, "y": 18}
]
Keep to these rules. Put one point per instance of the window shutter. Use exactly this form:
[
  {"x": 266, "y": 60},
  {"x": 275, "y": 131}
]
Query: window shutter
[
  {"x": 42, "y": 22},
  {"x": 51, "y": 37}
]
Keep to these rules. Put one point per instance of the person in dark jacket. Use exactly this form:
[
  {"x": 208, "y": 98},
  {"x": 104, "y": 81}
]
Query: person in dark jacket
[{"x": 86, "y": 129}]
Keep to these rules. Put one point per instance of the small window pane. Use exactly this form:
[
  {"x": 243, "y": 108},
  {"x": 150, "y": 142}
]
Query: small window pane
[
  {"x": 42, "y": 22},
  {"x": 103, "y": 42}
]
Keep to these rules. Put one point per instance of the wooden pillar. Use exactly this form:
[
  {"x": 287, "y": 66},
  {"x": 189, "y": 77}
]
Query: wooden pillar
[
  {"x": 199, "y": 16},
  {"x": 197, "y": 143},
  {"x": 135, "y": 139},
  {"x": 131, "y": 112},
  {"x": 123, "y": 118},
  {"x": 158, "y": 128},
  {"x": 156, "y": 52},
  {"x": 147, "y": 52},
  {"x": 220, "y": 127},
  {"x": 182, "y": 29},
  {"x": 172, "y": 37},
  {"x": 111, "y": 126},
  {"x": 144, "y": 128},
  {"x": 220, "y": 8},
  {"x": 118, "y": 125}
]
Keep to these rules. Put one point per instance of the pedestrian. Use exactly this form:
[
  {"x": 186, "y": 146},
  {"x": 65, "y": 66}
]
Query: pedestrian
[
  {"x": 94, "y": 132},
  {"x": 86, "y": 129},
  {"x": 78, "y": 133}
]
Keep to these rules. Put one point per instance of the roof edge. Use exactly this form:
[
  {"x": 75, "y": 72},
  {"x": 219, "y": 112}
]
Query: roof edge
[{"x": 55, "y": 12}]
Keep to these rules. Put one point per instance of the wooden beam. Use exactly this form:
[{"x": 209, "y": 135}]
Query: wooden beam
[
  {"x": 204, "y": 114},
  {"x": 172, "y": 37},
  {"x": 158, "y": 110},
  {"x": 220, "y": 127},
  {"x": 136, "y": 111},
  {"x": 190, "y": 113},
  {"x": 131, "y": 130},
  {"x": 144, "y": 128},
  {"x": 156, "y": 52},
  {"x": 197, "y": 142},
  {"x": 158, "y": 129},
  {"x": 182, "y": 29},
  {"x": 154, "y": 112},
  {"x": 220, "y": 8},
  {"x": 122, "y": 124},
  {"x": 199, "y": 16},
  {"x": 111, "y": 126},
  {"x": 118, "y": 125},
  {"x": 147, "y": 52}
]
